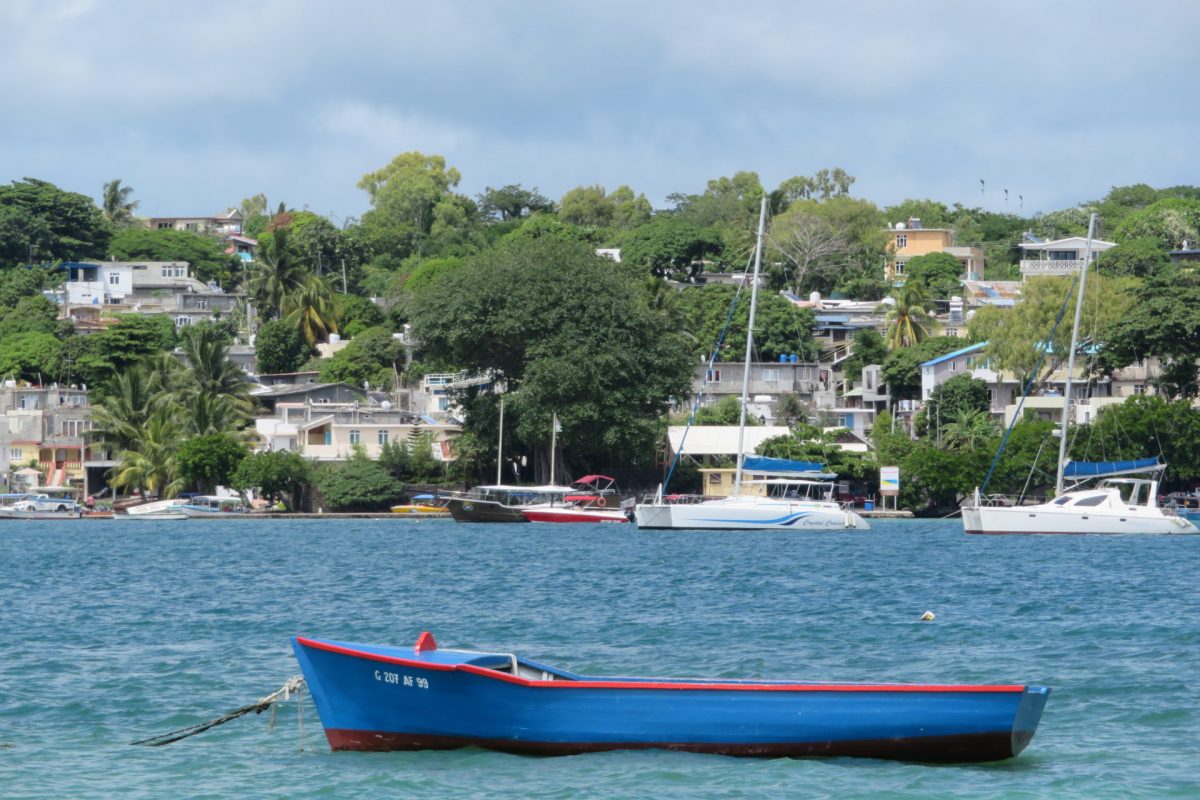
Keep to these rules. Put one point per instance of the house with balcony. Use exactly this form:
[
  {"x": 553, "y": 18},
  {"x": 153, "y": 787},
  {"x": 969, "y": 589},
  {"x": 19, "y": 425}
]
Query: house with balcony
[
  {"x": 332, "y": 431},
  {"x": 1058, "y": 257},
  {"x": 911, "y": 239},
  {"x": 103, "y": 289},
  {"x": 228, "y": 223},
  {"x": 45, "y": 428},
  {"x": 769, "y": 380}
]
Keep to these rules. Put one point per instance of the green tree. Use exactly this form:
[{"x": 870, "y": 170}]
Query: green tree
[
  {"x": 1168, "y": 222},
  {"x": 359, "y": 484},
  {"x": 1163, "y": 321},
  {"x": 404, "y": 195},
  {"x": 907, "y": 317},
  {"x": 868, "y": 349},
  {"x": 208, "y": 461},
  {"x": 209, "y": 370},
  {"x": 29, "y": 355},
  {"x": 781, "y": 327},
  {"x": 279, "y": 272},
  {"x": 902, "y": 368},
  {"x": 311, "y": 309},
  {"x": 58, "y": 225},
  {"x": 953, "y": 399},
  {"x": 569, "y": 335},
  {"x": 1144, "y": 426},
  {"x": 275, "y": 474},
  {"x": 670, "y": 246},
  {"x": 938, "y": 274},
  {"x": 204, "y": 253},
  {"x": 118, "y": 208},
  {"x": 124, "y": 412},
  {"x": 373, "y": 356},
  {"x": 969, "y": 429},
  {"x": 512, "y": 202},
  {"x": 1138, "y": 258},
  {"x": 1018, "y": 338},
  {"x": 727, "y": 411},
  {"x": 279, "y": 347},
  {"x": 151, "y": 465}
]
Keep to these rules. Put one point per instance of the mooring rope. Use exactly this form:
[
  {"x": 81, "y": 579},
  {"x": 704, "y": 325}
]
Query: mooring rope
[{"x": 294, "y": 685}]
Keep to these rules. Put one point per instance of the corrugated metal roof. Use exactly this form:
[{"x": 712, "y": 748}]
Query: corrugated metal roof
[{"x": 955, "y": 354}]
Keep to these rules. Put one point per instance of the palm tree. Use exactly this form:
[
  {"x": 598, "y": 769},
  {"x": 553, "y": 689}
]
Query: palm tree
[
  {"x": 209, "y": 370},
  {"x": 150, "y": 464},
  {"x": 907, "y": 317},
  {"x": 118, "y": 208},
  {"x": 119, "y": 420},
  {"x": 206, "y": 414},
  {"x": 278, "y": 272},
  {"x": 311, "y": 310},
  {"x": 968, "y": 429}
]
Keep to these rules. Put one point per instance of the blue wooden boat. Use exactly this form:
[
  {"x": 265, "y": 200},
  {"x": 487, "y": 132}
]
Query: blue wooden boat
[{"x": 373, "y": 697}]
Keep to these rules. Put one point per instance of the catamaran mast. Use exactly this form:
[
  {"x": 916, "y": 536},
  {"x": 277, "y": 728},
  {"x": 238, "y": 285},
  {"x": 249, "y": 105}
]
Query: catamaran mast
[
  {"x": 758, "y": 247},
  {"x": 1066, "y": 415},
  {"x": 500, "y": 445}
]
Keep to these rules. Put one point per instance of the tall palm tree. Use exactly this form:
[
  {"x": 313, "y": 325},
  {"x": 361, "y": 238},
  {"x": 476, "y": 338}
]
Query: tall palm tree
[
  {"x": 118, "y": 208},
  {"x": 205, "y": 414},
  {"x": 278, "y": 272},
  {"x": 907, "y": 317},
  {"x": 150, "y": 465},
  {"x": 311, "y": 309},
  {"x": 135, "y": 392},
  {"x": 209, "y": 371},
  {"x": 969, "y": 429}
]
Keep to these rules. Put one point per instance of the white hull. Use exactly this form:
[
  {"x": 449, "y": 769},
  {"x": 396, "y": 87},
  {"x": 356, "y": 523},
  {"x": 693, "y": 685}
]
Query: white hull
[
  {"x": 748, "y": 513},
  {"x": 1050, "y": 518},
  {"x": 152, "y": 516},
  {"x": 153, "y": 508}
]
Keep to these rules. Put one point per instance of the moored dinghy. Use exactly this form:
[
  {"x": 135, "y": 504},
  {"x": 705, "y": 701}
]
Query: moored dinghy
[{"x": 373, "y": 697}]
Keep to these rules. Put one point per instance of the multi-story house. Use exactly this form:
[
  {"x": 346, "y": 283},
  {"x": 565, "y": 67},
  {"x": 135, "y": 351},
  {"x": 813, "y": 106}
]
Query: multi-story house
[
  {"x": 331, "y": 432},
  {"x": 45, "y": 428},
  {"x": 769, "y": 381},
  {"x": 1059, "y": 257},
  {"x": 106, "y": 288},
  {"x": 909, "y": 240}
]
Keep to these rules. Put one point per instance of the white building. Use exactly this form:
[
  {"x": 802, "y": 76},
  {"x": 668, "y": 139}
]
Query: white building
[{"x": 1059, "y": 257}]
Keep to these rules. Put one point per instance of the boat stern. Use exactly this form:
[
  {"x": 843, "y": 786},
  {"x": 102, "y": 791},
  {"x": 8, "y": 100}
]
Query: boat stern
[{"x": 1029, "y": 714}]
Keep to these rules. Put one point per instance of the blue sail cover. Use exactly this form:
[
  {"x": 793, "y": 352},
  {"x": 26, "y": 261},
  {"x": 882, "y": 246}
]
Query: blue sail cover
[
  {"x": 783, "y": 466},
  {"x": 1096, "y": 469}
]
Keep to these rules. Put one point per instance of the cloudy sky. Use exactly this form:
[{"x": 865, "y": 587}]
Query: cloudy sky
[{"x": 199, "y": 104}]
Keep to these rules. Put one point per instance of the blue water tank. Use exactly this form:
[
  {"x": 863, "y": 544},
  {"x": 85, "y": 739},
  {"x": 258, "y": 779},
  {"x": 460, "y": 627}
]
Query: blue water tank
[
  {"x": 795, "y": 358},
  {"x": 783, "y": 358}
]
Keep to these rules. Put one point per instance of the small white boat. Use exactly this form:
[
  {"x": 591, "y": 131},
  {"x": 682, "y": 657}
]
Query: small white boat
[
  {"x": 207, "y": 505},
  {"x": 153, "y": 508},
  {"x": 151, "y": 516}
]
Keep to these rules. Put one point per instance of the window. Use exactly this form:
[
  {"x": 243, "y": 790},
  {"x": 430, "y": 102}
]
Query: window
[
  {"x": 901, "y": 240},
  {"x": 181, "y": 322},
  {"x": 16, "y": 454},
  {"x": 1091, "y": 501},
  {"x": 1062, "y": 500},
  {"x": 713, "y": 376},
  {"x": 899, "y": 270},
  {"x": 328, "y": 437},
  {"x": 1139, "y": 388},
  {"x": 165, "y": 226},
  {"x": 355, "y": 436},
  {"x": 770, "y": 374},
  {"x": 114, "y": 278},
  {"x": 714, "y": 478},
  {"x": 383, "y": 437},
  {"x": 954, "y": 366}
]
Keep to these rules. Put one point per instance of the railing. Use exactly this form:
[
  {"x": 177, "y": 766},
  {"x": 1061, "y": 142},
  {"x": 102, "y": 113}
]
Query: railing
[{"x": 1051, "y": 266}]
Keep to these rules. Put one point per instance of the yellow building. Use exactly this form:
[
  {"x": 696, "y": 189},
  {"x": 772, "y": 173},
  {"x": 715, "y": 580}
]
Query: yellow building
[{"x": 910, "y": 239}]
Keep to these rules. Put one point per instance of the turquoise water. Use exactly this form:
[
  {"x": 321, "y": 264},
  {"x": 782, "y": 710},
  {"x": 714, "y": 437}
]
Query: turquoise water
[{"x": 115, "y": 631}]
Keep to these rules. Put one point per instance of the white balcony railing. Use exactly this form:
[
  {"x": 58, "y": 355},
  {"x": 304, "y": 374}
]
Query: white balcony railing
[{"x": 1051, "y": 266}]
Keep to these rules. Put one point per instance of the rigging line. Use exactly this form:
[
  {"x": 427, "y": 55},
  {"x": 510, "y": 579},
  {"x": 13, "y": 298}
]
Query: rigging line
[
  {"x": 1028, "y": 385},
  {"x": 700, "y": 394}
]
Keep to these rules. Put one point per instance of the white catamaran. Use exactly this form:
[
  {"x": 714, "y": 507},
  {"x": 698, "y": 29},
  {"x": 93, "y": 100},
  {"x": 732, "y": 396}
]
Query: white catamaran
[
  {"x": 1113, "y": 505},
  {"x": 796, "y": 495}
]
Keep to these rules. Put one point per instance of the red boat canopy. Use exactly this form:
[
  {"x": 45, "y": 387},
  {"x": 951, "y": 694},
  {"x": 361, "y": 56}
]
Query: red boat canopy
[{"x": 594, "y": 478}]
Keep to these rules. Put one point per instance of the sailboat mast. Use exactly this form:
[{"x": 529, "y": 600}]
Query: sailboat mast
[
  {"x": 758, "y": 248},
  {"x": 553, "y": 444},
  {"x": 500, "y": 445},
  {"x": 1066, "y": 415}
]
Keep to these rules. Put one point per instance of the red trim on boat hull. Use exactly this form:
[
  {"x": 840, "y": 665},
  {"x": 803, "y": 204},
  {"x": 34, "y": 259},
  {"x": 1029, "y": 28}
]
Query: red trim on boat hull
[{"x": 963, "y": 747}]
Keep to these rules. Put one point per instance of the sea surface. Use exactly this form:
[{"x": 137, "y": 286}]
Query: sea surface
[{"x": 116, "y": 631}]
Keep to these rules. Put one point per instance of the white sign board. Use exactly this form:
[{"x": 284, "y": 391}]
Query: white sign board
[{"x": 889, "y": 480}]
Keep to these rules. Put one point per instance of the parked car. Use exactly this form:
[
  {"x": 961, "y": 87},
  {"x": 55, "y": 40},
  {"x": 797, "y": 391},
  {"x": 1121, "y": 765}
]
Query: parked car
[{"x": 44, "y": 502}]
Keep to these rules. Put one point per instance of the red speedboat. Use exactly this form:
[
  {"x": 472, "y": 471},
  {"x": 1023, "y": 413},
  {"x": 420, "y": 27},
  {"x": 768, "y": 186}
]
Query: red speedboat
[{"x": 595, "y": 500}]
